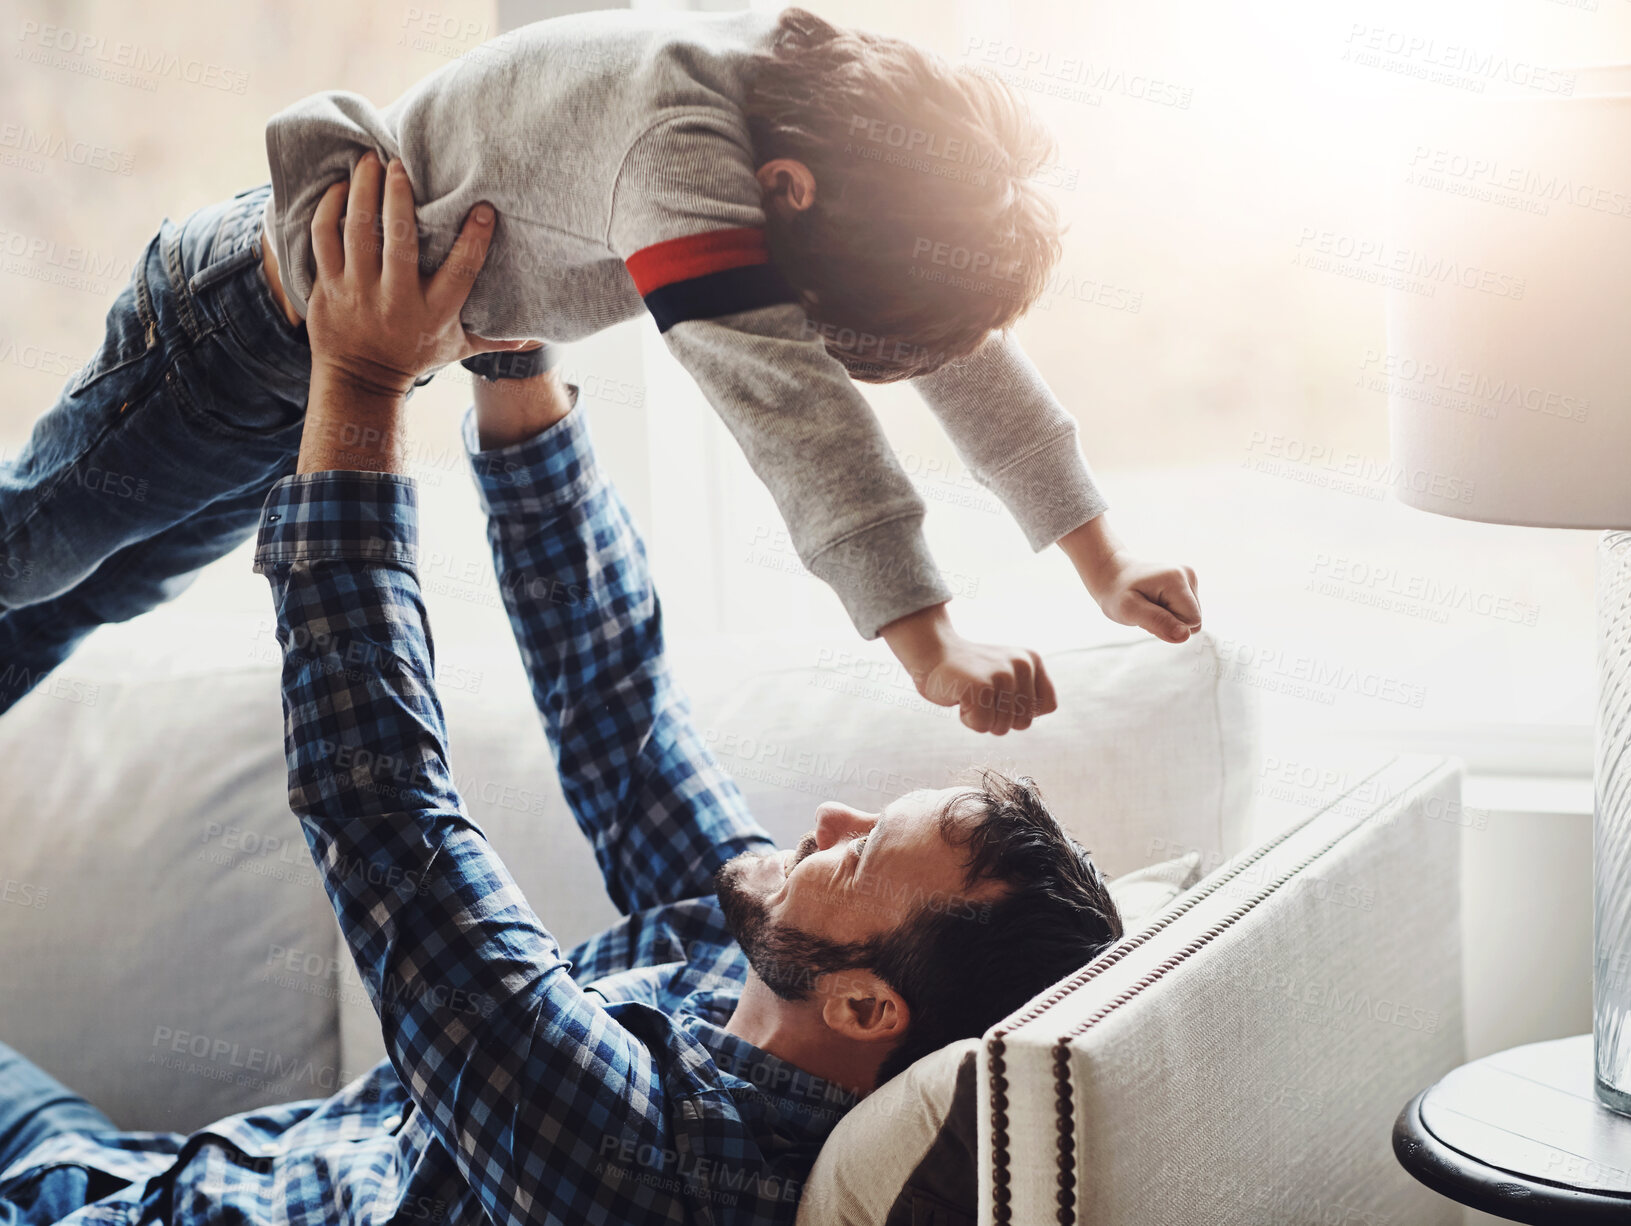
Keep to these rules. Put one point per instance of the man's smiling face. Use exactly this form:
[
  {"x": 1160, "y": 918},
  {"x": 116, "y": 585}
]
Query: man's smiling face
[
  {"x": 855, "y": 877},
  {"x": 881, "y": 937}
]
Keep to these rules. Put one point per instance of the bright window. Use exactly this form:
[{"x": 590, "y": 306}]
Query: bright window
[{"x": 1230, "y": 392}]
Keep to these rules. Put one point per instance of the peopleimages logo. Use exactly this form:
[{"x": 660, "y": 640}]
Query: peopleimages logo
[
  {"x": 940, "y": 154},
  {"x": 831, "y": 772},
  {"x": 119, "y": 61},
  {"x": 1073, "y": 77},
  {"x": 1322, "y": 676},
  {"x": 1448, "y": 63},
  {"x": 1315, "y": 999},
  {"x": 229, "y": 1060},
  {"x": 698, "y": 1170},
  {"x": 1283, "y": 454},
  {"x": 1385, "y": 586},
  {"x": 1527, "y": 188},
  {"x": 41, "y": 250},
  {"x": 1478, "y": 393},
  {"x": 1376, "y": 260},
  {"x": 965, "y": 259},
  {"x": 23, "y": 893},
  {"x": 53, "y": 146}
]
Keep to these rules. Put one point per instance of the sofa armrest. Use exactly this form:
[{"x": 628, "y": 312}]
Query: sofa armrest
[{"x": 1242, "y": 1057}]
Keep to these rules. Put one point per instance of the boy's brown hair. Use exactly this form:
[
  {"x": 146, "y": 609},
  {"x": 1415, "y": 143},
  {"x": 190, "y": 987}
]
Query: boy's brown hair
[{"x": 928, "y": 229}]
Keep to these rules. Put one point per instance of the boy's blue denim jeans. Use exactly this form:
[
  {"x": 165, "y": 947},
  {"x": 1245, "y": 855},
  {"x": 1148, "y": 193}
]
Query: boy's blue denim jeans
[{"x": 159, "y": 452}]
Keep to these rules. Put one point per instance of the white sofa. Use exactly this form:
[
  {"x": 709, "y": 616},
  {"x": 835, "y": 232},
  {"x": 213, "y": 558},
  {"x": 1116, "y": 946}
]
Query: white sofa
[
  {"x": 1241, "y": 1058},
  {"x": 168, "y": 951}
]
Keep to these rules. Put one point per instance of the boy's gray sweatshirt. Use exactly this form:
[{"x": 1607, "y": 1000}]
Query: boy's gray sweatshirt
[{"x": 600, "y": 138}]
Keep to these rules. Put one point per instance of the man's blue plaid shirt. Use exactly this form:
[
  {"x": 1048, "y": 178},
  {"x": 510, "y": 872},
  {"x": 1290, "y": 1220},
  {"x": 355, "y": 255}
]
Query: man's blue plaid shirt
[{"x": 523, "y": 1084}]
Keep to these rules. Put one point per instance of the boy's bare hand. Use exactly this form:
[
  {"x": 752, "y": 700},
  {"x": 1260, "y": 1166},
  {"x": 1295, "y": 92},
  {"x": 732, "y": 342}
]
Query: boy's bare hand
[
  {"x": 1154, "y": 596},
  {"x": 995, "y": 688},
  {"x": 375, "y": 322}
]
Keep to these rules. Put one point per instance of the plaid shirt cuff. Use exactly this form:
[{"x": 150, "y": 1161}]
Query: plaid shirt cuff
[
  {"x": 554, "y": 468},
  {"x": 313, "y": 517}
]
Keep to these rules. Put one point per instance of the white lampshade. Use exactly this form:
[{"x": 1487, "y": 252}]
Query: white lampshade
[{"x": 1508, "y": 274}]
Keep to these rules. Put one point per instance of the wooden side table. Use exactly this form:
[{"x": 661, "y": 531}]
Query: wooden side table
[{"x": 1521, "y": 1135}]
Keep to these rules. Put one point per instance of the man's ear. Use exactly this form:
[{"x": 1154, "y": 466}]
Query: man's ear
[{"x": 858, "y": 1005}]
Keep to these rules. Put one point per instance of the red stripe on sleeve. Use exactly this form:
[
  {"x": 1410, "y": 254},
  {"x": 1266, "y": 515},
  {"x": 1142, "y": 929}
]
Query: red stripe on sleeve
[{"x": 696, "y": 255}]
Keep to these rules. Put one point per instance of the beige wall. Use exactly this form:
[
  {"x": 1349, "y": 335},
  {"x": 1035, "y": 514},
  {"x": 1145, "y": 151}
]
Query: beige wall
[{"x": 160, "y": 143}]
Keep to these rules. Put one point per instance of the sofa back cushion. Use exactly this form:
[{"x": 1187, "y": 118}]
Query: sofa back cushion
[
  {"x": 172, "y": 953},
  {"x": 1149, "y": 756}
]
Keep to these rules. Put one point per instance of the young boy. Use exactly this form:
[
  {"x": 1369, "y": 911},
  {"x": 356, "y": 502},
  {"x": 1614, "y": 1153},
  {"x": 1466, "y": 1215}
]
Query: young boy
[{"x": 728, "y": 173}]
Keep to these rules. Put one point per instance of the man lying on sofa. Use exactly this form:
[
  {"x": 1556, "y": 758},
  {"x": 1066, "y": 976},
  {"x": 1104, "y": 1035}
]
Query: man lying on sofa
[{"x": 684, "y": 1065}]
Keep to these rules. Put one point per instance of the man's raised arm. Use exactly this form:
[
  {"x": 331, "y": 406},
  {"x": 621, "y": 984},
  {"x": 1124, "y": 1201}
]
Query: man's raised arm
[
  {"x": 517, "y": 1071},
  {"x": 659, "y": 810}
]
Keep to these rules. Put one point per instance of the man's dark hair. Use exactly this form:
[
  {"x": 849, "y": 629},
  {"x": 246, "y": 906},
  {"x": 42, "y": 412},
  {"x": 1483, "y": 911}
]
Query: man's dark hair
[
  {"x": 961, "y": 964},
  {"x": 961, "y": 975}
]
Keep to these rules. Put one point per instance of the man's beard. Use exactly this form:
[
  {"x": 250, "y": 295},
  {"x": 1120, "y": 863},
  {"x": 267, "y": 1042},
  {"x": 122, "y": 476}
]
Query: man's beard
[{"x": 788, "y": 959}]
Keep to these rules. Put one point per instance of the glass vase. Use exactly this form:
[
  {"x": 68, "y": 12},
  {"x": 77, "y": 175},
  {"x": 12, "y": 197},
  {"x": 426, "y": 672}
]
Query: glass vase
[{"x": 1611, "y": 863}]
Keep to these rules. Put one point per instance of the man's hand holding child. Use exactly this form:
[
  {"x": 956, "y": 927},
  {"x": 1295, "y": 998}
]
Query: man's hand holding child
[{"x": 377, "y": 323}]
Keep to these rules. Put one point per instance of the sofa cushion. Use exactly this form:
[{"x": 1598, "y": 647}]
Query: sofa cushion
[
  {"x": 1143, "y": 892},
  {"x": 1150, "y": 754},
  {"x": 172, "y": 956},
  {"x": 906, "y": 1153}
]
